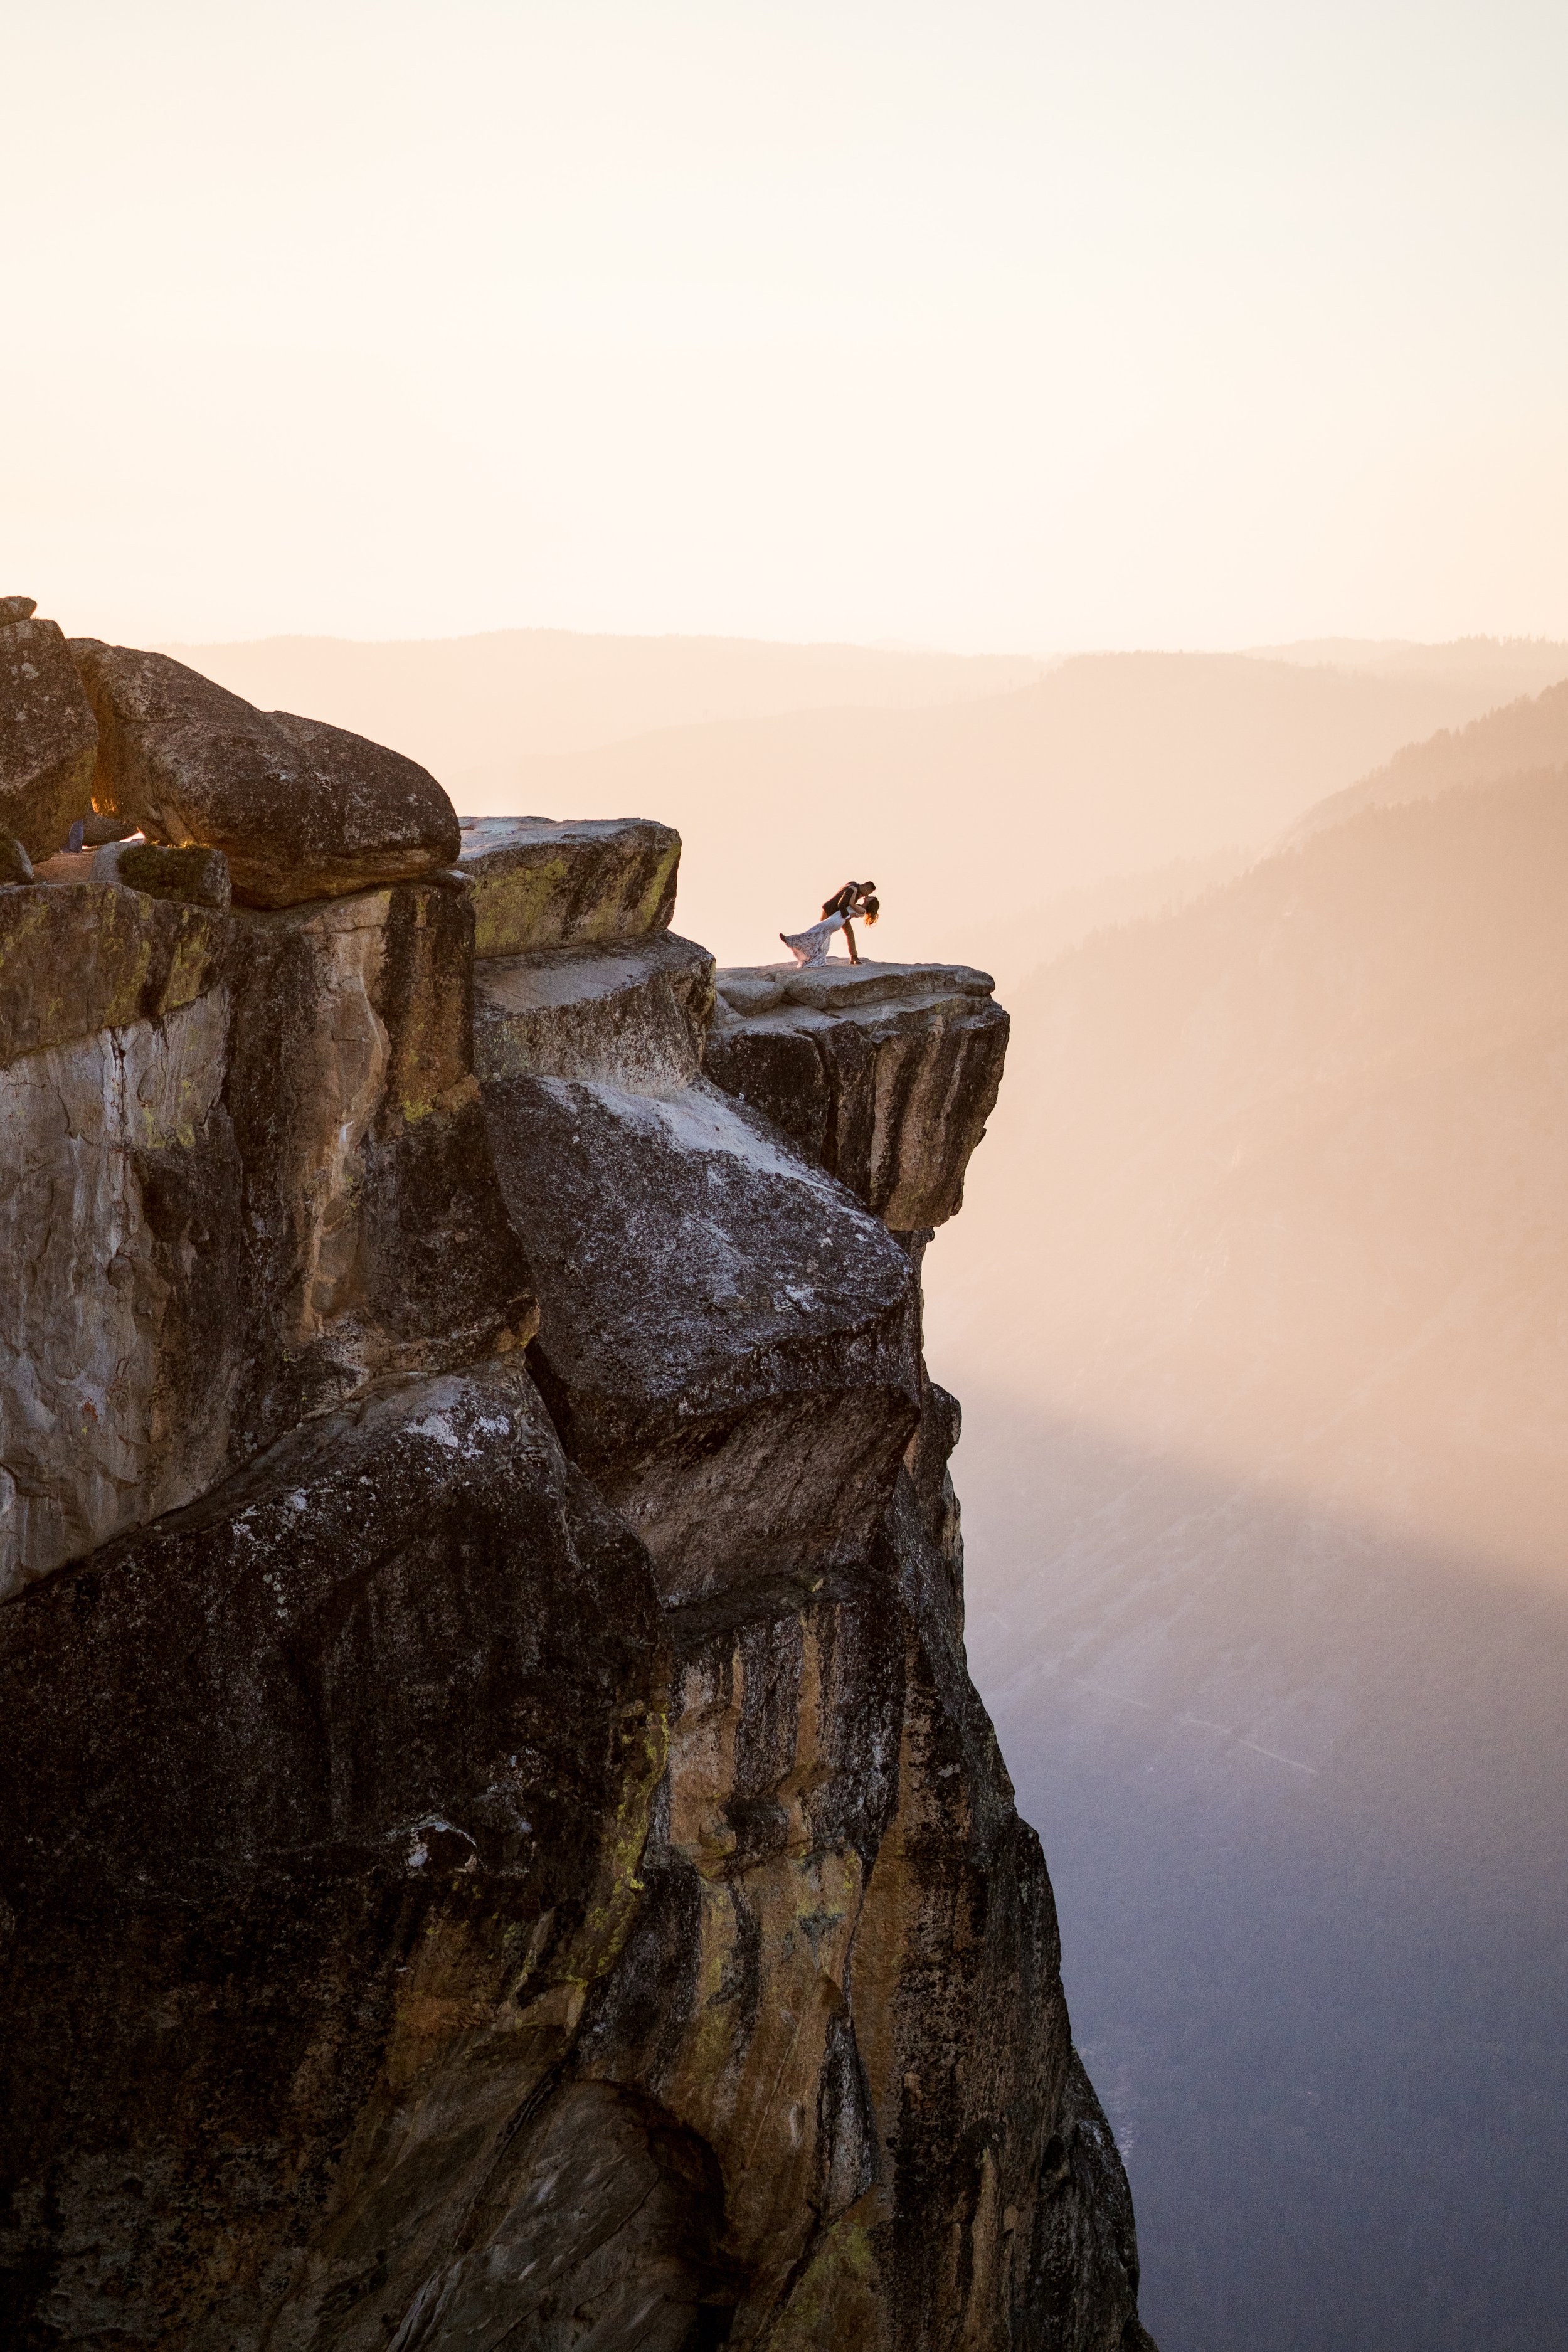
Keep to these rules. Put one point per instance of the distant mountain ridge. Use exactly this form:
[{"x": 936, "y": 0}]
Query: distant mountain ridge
[
  {"x": 1527, "y": 736},
  {"x": 1006, "y": 807},
  {"x": 972, "y": 817},
  {"x": 1504, "y": 667},
  {"x": 464, "y": 704}
]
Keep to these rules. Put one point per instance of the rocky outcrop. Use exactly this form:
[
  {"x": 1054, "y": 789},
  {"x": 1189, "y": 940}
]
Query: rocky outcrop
[
  {"x": 326, "y": 1800},
  {"x": 541, "y": 884},
  {"x": 49, "y": 742},
  {"x": 300, "y": 810},
  {"x": 502, "y": 1850},
  {"x": 728, "y": 1344},
  {"x": 885, "y": 1074}
]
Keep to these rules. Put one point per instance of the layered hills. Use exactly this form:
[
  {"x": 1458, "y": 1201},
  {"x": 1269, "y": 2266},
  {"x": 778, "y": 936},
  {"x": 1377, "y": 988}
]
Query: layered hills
[{"x": 1004, "y": 809}]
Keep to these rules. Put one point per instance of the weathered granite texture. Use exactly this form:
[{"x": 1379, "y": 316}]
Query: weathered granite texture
[
  {"x": 728, "y": 1345},
  {"x": 542, "y": 883},
  {"x": 885, "y": 1073},
  {"x": 198, "y": 876},
  {"x": 49, "y": 740},
  {"x": 502, "y": 1850},
  {"x": 634, "y": 1014},
  {"x": 325, "y": 1799},
  {"x": 246, "y": 1175},
  {"x": 300, "y": 810}
]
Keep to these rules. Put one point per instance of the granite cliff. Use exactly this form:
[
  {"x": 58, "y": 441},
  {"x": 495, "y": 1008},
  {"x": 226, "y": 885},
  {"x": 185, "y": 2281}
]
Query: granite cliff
[{"x": 501, "y": 1848}]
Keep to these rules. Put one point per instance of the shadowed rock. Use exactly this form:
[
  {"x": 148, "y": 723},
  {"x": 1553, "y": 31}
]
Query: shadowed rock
[
  {"x": 16, "y": 865},
  {"x": 325, "y": 1801},
  {"x": 540, "y": 884},
  {"x": 197, "y": 877},
  {"x": 97, "y": 832},
  {"x": 848, "y": 1957},
  {"x": 728, "y": 1343},
  {"x": 49, "y": 740},
  {"x": 300, "y": 810},
  {"x": 886, "y": 1074}
]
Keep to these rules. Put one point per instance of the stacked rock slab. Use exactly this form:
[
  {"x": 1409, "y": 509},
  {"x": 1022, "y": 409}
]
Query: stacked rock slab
[{"x": 502, "y": 1847}]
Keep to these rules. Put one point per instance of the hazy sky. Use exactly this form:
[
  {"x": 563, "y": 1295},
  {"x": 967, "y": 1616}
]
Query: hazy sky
[{"x": 1022, "y": 328}]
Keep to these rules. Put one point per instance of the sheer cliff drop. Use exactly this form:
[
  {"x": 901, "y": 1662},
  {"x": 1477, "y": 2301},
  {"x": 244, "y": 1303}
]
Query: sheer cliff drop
[{"x": 504, "y": 1847}]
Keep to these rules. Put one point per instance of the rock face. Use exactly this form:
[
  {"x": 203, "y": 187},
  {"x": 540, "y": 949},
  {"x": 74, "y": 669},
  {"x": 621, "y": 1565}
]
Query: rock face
[
  {"x": 48, "y": 740},
  {"x": 634, "y": 1012},
  {"x": 501, "y": 1848},
  {"x": 885, "y": 1073},
  {"x": 198, "y": 876},
  {"x": 540, "y": 884},
  {"x": 327, "y": 1795},
  {"x": 247, "y": 1176},
  {"x": 728, "y": 1344},
  {"x": 302, "y": 810}
]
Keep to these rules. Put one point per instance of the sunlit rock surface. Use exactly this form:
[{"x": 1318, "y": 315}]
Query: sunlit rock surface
[
  {"x": 300, "y": 810},
  {"x": 540, "y": 883},
  {"x": 729, "y": 1343},
  {"x": 503, "y": 1849}
]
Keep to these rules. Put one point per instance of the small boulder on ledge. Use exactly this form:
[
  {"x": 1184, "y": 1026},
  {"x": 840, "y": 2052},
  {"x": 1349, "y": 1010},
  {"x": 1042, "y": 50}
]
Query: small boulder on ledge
[
  {"x": 299, "y": 808},
  {"x": 16, "y": 865},
  {"x": 194, "y": 877},
  {"x": 47, "y": 740}
]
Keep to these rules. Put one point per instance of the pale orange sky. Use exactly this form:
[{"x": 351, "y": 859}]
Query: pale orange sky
[{"x": 994, "y": 326}]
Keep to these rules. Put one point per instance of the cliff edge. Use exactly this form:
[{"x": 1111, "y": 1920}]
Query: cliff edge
[{"x": 503, "y": 1849}]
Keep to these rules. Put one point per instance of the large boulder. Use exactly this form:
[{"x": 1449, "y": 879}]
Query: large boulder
[
  {"x": 578, "y": 882},
  {"x": 324, "y": 1804},
  {"x": 729, "y": 1344},
  {"x": 301, "y": 810},
  {"x": 48, "y": 740},
  {"x": 885, "y": 1073}
]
